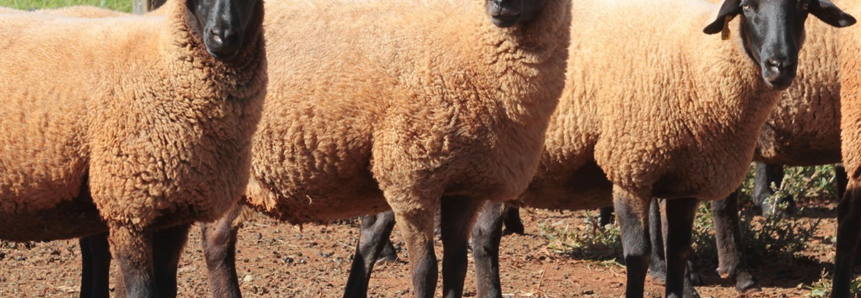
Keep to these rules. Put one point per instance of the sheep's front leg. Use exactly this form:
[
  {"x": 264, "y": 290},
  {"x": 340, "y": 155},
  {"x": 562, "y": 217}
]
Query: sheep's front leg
[
  {"x": 680, "y": 220},
  {"x": 415, "y": 219},
  {"x": 632, "y": 214},
  {"x": 168, "y": 244},
  {"x": 486, "y": 235},
  {"x": 848, "y": 234},
  {"x": 132, "y": 248},
  {"x": 373, "y": 238},
  {"x": 96, "y": 266},
  {"x": 457, "y": 214},
  {"x": 219, "y": 247},
  {"x": 732, "y": 260}
]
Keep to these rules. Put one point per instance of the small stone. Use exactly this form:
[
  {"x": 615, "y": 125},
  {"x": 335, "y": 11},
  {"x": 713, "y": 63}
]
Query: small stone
[{"x": 248, "y": 278}]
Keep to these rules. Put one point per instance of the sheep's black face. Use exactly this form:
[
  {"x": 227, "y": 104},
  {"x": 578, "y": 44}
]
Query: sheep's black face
[
  {"x": 507, "y": 13},
  {"x": 226, "y": 24},
  {"x": 773, "y": 32}
]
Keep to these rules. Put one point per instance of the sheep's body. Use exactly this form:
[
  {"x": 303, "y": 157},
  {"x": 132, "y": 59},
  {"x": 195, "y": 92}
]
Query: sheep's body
[
  {"x": 417, "y": 111},
  {"x": 681, "y": 120},
  {"x": 804, "y": 128},
  {"x": 130, "y": 108}
]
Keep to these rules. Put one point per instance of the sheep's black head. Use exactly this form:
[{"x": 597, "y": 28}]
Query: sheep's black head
[
  {"x": 227, "y": 24},
  {"x": 773, "y": 31},
  {"x": 507, "y": 13}
]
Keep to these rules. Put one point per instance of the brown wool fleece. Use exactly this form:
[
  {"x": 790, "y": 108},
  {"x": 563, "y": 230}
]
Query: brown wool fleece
[
  {"x": 413, "y": 99},
  {"x": 664, "y": 109},
  {"x": 131, "y": 108},
  {"x": 850, "y": 82}
]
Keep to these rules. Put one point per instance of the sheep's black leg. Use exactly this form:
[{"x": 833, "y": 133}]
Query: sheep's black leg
[
  {"x": 373, "y": 237},
  {"x": 632, "y": 214},
  {"x": 486, "y": 235},
  {"x": 132, "y": 248},
  {"x": 168, "y": 244},
  {"x": 96, "y": 265},
  {"x": 732, "y": 261},
  {"x": 219, "y": 247},
  {"x": 680, "y": 220},
  {"x": 513, "y": 224},
  {"x": 389, "y": 254},
  {"x": 842, "y": 180},
  {"x": 606, "y": 216},
  {"x": 416, "y": 222},
  {"x": 848, "y": 233},
  {"x": 766, "y": 174},
  {"x": 457, "y": 215},
  {"x": 657, "y": 265}
]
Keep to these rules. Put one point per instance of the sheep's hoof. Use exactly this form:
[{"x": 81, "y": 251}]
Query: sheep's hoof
[{"x": 745, "y": 283}]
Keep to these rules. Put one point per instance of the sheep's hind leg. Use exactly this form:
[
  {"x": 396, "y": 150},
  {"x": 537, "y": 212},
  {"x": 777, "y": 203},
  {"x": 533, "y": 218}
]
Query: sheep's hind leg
[
  {"x": 657, "y": 265},
  {"x": 632, "y": 214},
  {"x": 513, "y": 224},
  {"x": 732, "y": 261},
  {"x": 486, "y": 235},
  {"x": 766, "y": 174},
  {"x": 679, "y": 215},
  {"x": 457, "y": 215},
  {"x": 133, "y": 248},
  {"x": 219, "y": 247},
  {"x": 373, "y": 238},
  {"x": 96, "y": 266},
  {"x": 848, "y": 234},
  {"x": 168, "y": 244}
]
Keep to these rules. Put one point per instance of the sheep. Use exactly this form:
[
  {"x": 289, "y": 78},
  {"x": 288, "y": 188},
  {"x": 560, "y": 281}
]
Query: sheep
[
  {"x": 127, "y": 124},
  {"x": 677, "y": 157},
  {"x": 848, "y": 216}
]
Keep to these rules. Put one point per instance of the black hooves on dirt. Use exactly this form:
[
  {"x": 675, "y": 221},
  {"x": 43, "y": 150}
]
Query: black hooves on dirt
[{"x": 745, "y": 283}]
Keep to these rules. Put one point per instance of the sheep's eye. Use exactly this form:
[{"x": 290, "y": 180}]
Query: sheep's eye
[{"x": 805, "y": 6}]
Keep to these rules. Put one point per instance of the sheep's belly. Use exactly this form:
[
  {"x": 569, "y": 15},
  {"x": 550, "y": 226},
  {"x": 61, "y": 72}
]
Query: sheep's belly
[
  {"x": 69, "y": 219},
  {"x": 316, "y": 202}
]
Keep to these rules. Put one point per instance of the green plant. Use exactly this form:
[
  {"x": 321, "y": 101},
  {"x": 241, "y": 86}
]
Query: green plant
[
  {"x": 591, "y": 242},
  {"x": 822, "y": 287}
]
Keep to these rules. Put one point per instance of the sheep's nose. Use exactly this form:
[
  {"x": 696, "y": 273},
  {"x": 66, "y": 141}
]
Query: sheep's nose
[
  {"x": 223, "y": 36},
  {"x": 778, "y": 64}
]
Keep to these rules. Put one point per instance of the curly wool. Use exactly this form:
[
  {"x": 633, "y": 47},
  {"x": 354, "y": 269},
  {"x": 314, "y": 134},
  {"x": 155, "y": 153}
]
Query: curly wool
[
  {"x": 130, "y": 111},
  {"x": 850, "y": 82}
]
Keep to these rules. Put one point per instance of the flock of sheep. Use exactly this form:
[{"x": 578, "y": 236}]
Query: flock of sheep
[{"x": 131, "y": 128}]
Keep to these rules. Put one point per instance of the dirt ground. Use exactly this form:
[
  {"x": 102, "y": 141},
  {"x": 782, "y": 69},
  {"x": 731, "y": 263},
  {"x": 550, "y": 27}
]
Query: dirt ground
[{"x": 279, "y": 260}]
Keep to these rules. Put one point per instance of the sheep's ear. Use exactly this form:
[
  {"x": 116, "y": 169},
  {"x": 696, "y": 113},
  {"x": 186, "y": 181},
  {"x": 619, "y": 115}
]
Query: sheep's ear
[
  {"x": 730, "y": 8},
  {"x": 830, "y": 13}
]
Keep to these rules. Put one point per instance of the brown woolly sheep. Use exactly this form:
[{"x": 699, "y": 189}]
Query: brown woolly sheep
[
  {"x": 849, "y": 210},
  {"x": 442, "y": 108},
  {"x": 676, "y": 116},
  {"x": 127, "y": 124}
]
